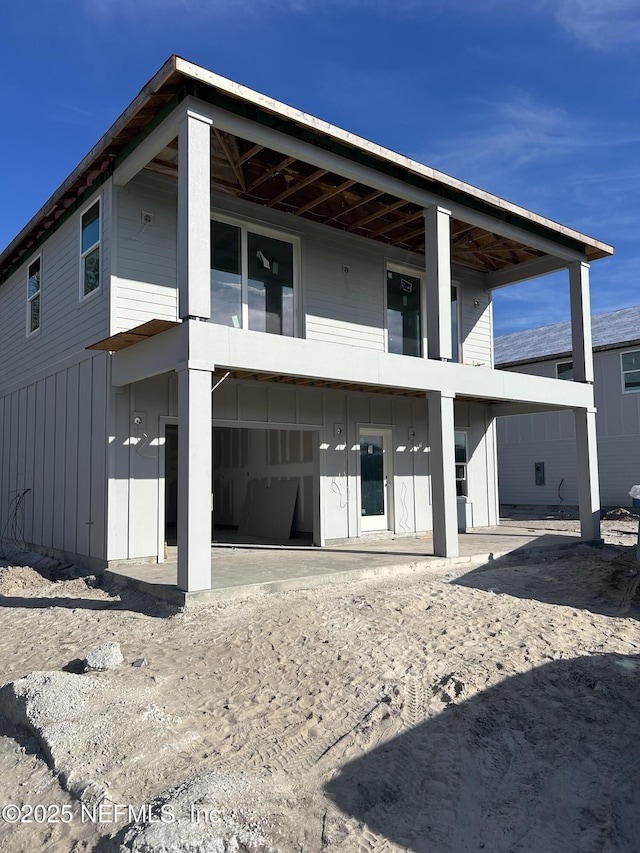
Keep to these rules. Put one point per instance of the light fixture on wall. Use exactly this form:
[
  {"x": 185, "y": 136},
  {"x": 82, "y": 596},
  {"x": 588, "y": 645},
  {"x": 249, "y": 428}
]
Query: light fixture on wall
[{"x": 476, "y": 303}]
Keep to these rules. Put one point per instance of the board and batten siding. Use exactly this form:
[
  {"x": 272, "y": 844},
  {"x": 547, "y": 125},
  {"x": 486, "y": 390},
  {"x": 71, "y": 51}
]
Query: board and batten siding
[
  {"x": 145, "y": 255},
  {"x": 53, "y": 454},
  {"x": 67, "y": 325},
  {"x": 136, "y": 455},
  {"x": 549, "y": 437}
]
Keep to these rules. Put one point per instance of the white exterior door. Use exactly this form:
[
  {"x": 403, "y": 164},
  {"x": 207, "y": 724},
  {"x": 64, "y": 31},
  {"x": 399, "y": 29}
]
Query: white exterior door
[{"x": 376, "y": 479}]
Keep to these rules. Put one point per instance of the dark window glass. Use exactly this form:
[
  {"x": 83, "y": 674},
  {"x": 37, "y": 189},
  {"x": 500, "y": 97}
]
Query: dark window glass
[
  {"x": 403, "y": 314},
  {"x": 270, "y": 285},
  {"x": 454, "y": 324},
  {"x": 90, "y": 227},
  {"x": 372, "y": 475},
  {"x": 461, "y": 463},
  {"x": 91, "y": 249},
  {"x": 226, "y": 275},
  {"x": 564, "y": 370},
  {"x": 631, "y": 370}
]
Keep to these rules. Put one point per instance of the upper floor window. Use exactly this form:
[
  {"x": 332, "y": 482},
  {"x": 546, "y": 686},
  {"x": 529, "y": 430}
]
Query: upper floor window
[
  {"x": 404, "y": 324},
  {"x": 631, "y": 371},
  {"x": 252, "y": 279},
  {"x": 564, "y": 370},
  {"x": 404, "y": 314},
  {"x": 33, "y": 295},
  {"x": 90, "y": 250}
]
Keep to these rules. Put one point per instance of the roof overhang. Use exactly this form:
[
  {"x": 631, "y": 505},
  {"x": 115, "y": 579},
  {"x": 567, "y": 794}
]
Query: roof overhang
[{"x": 260, "y": 173}]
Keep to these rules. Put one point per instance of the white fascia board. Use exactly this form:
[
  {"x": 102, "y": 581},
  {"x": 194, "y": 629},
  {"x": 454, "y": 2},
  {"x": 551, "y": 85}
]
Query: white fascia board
[
  {"x": 322, "y": 159},
  {"x": 149, "y": 148},
  {"x": 156, "y": 355}
]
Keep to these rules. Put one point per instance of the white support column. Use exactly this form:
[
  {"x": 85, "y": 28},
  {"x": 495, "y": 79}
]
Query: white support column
[
  {"x": 194, "y": 479},
  {"x": 437, "y": 224},
  {"x": 194, "y": 216},
  {"x": 443, "y": 474},
  {"x": 588, "y": 484},
  {"x": 581, "y": 322}
]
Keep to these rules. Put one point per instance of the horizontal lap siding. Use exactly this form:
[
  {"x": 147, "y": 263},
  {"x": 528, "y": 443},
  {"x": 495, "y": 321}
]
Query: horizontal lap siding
[
  {"x": 476, "y": 324},
  {"x": 67, "y": 324},
  {"x": 146, "y": 271},
  {"x": 344, "y": 307}
]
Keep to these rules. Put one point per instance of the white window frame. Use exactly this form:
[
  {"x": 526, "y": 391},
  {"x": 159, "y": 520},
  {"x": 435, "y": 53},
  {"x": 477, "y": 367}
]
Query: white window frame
[
  {"x": 84, "y": 296},
  {"x": 31, "y": 298},
  {"x": 626, "y": 390},
  {"x": 246, "y": 226},
  {"x": 415, "y": 272},
  {"x": 558, "y": 364}
]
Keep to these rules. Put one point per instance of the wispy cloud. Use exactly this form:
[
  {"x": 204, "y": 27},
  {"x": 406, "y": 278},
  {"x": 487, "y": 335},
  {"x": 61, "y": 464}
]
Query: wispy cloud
[
  {"x": 520, "y": 131},
  {"x": 602, "y": 24},
  {"x": 66, "y": 113},
  {"x": 544, "y": 157},
  {"x": 107, "y": 9}
]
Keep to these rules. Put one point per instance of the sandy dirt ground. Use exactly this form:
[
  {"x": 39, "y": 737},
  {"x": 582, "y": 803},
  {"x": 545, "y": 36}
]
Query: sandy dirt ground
[{"x": 495, "y": 710}]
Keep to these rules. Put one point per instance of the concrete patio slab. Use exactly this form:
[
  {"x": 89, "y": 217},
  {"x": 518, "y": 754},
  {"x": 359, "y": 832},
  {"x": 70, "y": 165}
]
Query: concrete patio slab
[{"x": 241, "y": 569}]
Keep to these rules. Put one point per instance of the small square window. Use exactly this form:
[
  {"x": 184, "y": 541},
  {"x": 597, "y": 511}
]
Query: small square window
[
  {"x": 90, "y": 250},
  {"x": 564, "y": 370},
  {"x": 33, "y": 295},
  {"x": 631, "y": 371}
]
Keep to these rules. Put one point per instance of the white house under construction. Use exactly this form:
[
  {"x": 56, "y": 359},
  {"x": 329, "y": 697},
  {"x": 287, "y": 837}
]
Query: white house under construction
[{"x": 233, "y": 315}]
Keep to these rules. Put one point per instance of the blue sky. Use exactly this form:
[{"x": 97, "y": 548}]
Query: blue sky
[{"x": 537, "y": 101}]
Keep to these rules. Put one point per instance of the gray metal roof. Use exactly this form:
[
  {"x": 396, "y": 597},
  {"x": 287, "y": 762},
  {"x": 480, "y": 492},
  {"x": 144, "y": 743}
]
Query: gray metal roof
[{"x": 615, "y": 328}]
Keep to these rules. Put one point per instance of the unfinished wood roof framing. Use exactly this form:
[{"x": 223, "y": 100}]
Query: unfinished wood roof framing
[{"x": 264, "y": 176}]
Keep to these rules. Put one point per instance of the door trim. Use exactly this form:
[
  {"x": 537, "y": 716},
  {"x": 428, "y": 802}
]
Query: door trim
[{"x": 386, "y": 521}]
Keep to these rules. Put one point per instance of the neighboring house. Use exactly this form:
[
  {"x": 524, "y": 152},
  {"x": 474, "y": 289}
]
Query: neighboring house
[
  {"x": 335, "y": 296},
  {"x": 536, "y": 452}
]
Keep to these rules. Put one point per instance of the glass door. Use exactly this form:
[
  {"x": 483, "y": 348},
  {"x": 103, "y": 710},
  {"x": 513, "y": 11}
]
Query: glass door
[{"x": 375, "y": 479}]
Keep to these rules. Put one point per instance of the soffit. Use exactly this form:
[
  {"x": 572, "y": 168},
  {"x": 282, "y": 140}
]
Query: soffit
[
  {"x": 263, "y": 176},
  {"x": 223, "y": 373},
  {"x": 285, "y": 184}
]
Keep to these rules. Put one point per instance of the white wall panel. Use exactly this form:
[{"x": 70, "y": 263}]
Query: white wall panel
[
  {"x": 54, "y": 446},
  {"x": 551, "y": 439},
  {"x": 67, "y": 324},
  {"x": 146, "y": 255}
]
